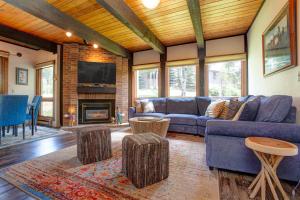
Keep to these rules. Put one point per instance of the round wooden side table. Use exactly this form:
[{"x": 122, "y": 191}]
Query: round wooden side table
[
  {"x": 270, "y": 153},
  {"x": 155, "y": 125}
]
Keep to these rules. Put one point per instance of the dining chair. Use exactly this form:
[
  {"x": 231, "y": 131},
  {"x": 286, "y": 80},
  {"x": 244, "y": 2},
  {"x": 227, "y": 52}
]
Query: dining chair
[
  {"x": 13, "y": 111},
  {"x": 33, "y": 112}
]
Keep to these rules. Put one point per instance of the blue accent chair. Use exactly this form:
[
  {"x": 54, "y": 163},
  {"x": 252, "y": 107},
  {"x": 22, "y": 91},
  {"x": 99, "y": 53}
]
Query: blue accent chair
[
  {"x": 32, "y": 115},
  {"x": 13, "y": 111}
]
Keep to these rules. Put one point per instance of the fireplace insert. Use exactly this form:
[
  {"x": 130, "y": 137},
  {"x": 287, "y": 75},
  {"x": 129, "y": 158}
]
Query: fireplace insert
[{"x": 96, "y": 111}]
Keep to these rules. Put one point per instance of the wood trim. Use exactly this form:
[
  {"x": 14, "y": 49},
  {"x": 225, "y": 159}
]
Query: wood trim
[
  {"x": 194, "y": 9},
  {"x": 56, "y": 17},
  {"x": 146, "y": 66},
  {"x": 4, "y": 54},
  {"x": 133, "y": 80},
  {"x": 244, "y": 79},
  {"x": 4, "y": 73},
  {"x": 214, "y": 59},
  {"x": 182, "y": 62},
  {"x": 201, "y": 82},
  {"x": 120, "y": 10},
  {"x": 44, "y": 64},
  {"x": 162, "y": 74}
]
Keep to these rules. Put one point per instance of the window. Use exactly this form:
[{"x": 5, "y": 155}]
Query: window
[
  {"x": 225, "y": 79},
  {"x": 182, "y": 81},
  {"x": 46, "y": 90},
  {"x": 146, "y": 83}
]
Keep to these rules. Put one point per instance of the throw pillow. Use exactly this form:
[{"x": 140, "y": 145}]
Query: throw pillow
[
  {"x": 238, "y": 114},
  {"x": 215, "y": 109},
  {"x": 233, "y": 108},
  {"x": 225, "y": 110},
  {"x": 148, "y": 107},
  {"x": 138, "y": 106},
  {"x": 250, "y": 110}
]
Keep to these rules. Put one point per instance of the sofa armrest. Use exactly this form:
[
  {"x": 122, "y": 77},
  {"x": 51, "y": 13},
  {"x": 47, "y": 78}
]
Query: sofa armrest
[
  {"x": 243, "y": 129},
  {"x": 131, "y": 112}
]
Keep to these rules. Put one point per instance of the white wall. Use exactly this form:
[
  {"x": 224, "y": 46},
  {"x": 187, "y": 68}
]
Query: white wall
[
  {"x": 285, "y": 82},
  {"x": 225, "y": 46}
]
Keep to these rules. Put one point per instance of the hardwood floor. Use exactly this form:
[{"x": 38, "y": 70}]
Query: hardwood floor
[{"x": 233, "y": 186}]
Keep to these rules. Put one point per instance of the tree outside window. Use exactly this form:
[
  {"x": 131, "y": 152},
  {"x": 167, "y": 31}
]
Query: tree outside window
[
  {"x": 147, "y": 83},
  {"x": 182, "y": 81},
  {"x": 225, "y": 79}
]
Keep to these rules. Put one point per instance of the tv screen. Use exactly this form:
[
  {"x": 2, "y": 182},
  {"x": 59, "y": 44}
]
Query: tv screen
[{"x": 99, "y": 73}]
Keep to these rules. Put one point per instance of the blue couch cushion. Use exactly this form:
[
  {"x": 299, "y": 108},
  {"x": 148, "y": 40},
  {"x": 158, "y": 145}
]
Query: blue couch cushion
[
  {"x": 274, "y": 108},
  {"x": 183, "y": 119},
  {"x": 182, "y": 106},
  {"x": 160, "y": 105},
  {"x": 202, "y": 104},
  {"x": 250, "y": 110},
  {"x": 201, "y": 120},
  {"x": 149, "y": 115},
  {"x": 291, "y": 117},
  {"x": 245, "y": 98}
]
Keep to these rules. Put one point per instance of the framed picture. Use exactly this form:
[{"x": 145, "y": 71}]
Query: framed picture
[
  {"x": 21, "y": 76},
  {"x": 279, "y": 41}
]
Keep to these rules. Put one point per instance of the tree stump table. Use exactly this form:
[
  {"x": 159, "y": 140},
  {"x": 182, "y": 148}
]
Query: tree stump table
[
  {"x": 270, "y": 152},
  {"x": 93, "y": 144},
  {"x": 155, "y": 125},
  {"x": 145, "y": 158}
]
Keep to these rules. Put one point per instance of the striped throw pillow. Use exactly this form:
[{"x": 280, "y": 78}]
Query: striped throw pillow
[{"x": 215, "y": 109}]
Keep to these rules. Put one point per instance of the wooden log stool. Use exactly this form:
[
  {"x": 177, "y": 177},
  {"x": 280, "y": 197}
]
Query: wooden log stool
[
  {"x": 145, "y": 158},
  {"x": 270, "y": 153},
  {"x": 93, "y": 144}
]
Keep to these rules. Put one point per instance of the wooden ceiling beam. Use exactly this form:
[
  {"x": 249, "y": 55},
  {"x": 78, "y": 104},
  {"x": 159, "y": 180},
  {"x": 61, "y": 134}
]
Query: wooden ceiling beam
[
  {"x": 50, "y": 14},
  {"x": 195, "y": 14},
  {"x": 120, "y": 10},
  {"x": 20, "y": 38}
]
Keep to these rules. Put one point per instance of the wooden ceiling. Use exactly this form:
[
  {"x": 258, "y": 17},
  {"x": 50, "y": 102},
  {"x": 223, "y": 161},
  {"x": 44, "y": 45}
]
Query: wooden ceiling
[{"x": 170, "y": 22}]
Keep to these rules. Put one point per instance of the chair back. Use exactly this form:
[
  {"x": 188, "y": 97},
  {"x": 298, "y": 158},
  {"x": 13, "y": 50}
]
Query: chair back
[
  {"x": 13, "y": 109},
  {"x": 36, "y": 102}
]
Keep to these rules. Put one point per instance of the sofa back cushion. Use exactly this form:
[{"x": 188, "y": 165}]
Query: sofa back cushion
[
  {"x": 250, "y": 110},
  {"x": 182, "y": 106},
  {"x": 202, "y": 104},
  {"x": 160, "y": 104},
  {"x": 274, "y": 108},
  {"x": 291, "y": 116}
]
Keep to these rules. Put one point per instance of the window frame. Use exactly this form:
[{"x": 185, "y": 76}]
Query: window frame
[
  {"x": 181, "y": 63},
  {"x": 227, "y": 58},
  {"x": 134, "y": 77},
  {"x": 39, "y": 68}
]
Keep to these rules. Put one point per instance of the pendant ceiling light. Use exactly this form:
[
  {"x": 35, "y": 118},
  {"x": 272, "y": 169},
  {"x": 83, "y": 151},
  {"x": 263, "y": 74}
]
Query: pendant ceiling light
[{"x": 150, "y": 4}]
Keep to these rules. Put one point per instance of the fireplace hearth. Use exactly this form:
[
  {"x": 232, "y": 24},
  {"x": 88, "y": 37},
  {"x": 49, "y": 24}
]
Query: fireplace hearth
[{"x": 96, "y": 111}]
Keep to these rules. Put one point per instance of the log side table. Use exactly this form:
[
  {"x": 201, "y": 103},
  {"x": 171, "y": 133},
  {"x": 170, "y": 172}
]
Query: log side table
[
  {"x": 156, "y": 125},
  {"x": 270, "y": 153},
  {"x": 93, "y": 144}
]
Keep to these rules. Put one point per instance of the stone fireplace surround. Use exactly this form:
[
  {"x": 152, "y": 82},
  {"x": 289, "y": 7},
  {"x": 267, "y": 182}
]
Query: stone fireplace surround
[{"x": 72, "y": 53}]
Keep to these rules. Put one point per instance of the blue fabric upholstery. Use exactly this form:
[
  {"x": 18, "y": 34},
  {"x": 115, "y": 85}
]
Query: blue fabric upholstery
[
  {"x": 202, "y": 104},
  {"x": 131, "y": 112},
  {"x": 226, "y": 152},
  {"x": 13, "y": 109},
  {"x": 291, "y": 117},
  {"x": 36, "y": 104},
  {"x": 201, "y": 120},
  {"x": 245, "y": 98},
  {"x": 201, "y": 130},
  {"x": 149, "y": 115},
  {"x": 183, "y": 129},
  {"x": 243, "y": 129},
  {"x": 182, "y": 106},
  {"x": 160, "y": 105},
  {"x": 183, "y": 119},
  {"x": 250, "y": 110},
  {"x": 274, "y": 108}
]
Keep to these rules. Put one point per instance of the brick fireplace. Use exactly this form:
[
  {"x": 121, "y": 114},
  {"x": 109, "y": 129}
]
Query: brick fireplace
[{"x": 72, "y": 53}]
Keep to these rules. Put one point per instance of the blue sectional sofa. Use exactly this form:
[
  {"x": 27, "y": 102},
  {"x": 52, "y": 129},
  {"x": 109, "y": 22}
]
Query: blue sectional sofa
[
  {"x": 225, "y": 140},
  {"x": 186, "y": 114}
]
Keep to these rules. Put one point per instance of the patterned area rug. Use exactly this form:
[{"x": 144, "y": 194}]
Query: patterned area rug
[
  {"x": 41, "y": 133},
  {"x": 59, "y": 175}
]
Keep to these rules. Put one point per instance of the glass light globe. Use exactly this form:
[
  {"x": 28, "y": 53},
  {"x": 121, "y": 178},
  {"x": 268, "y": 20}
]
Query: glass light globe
[{"x": 151, "y": 4}]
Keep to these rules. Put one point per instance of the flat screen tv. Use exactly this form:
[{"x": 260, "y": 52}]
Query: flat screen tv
[{"x": 96, "y": 73}]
